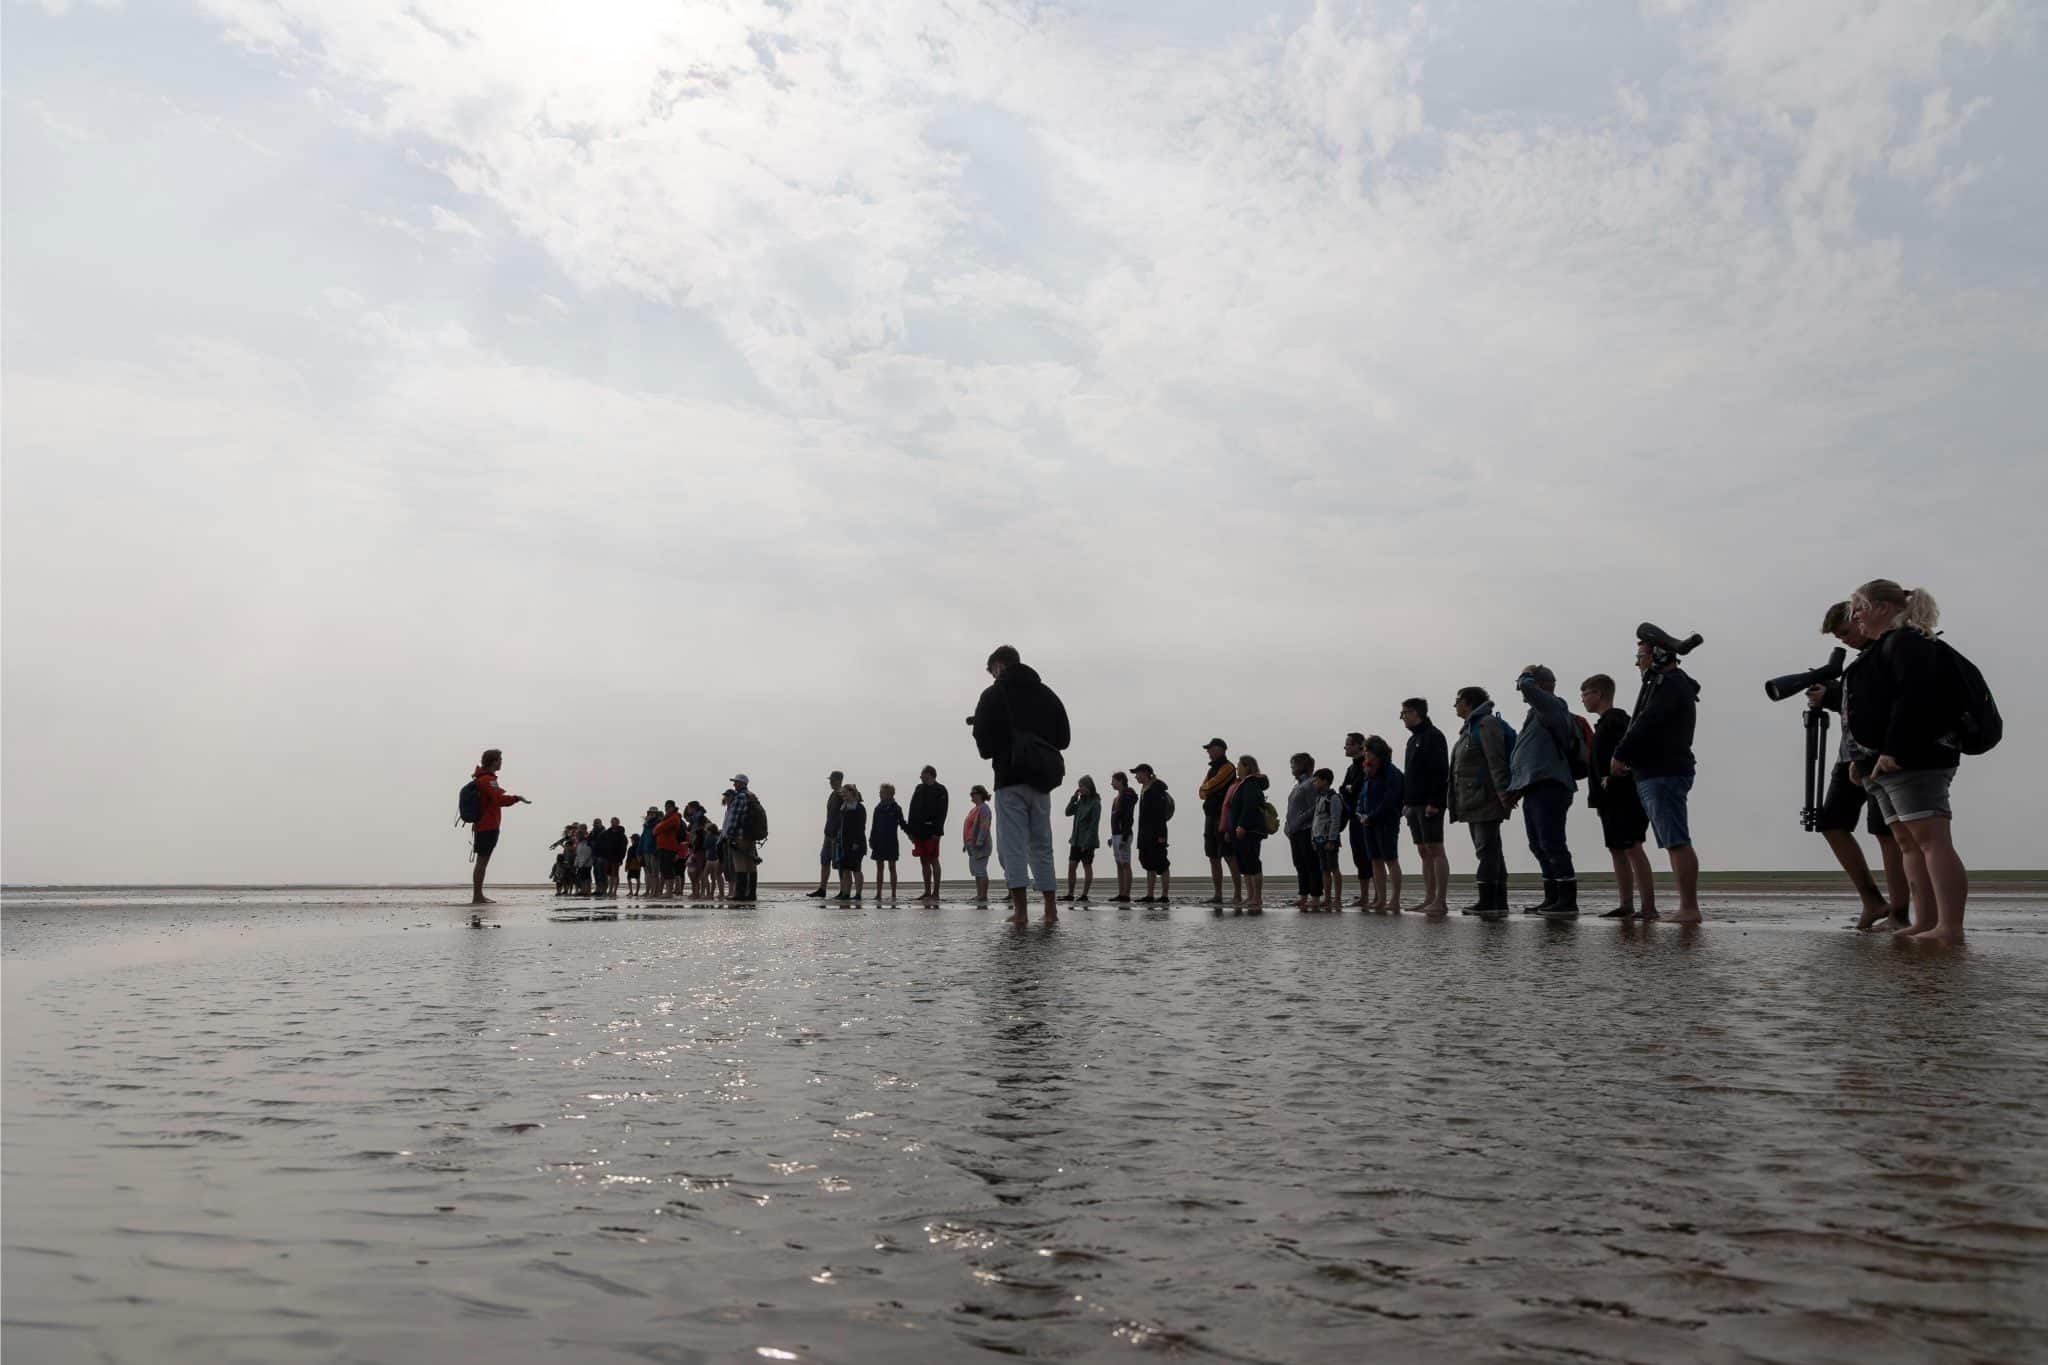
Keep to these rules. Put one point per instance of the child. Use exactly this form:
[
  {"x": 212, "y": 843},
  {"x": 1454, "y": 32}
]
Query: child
[
  {"x": 978, "y": 841},
  {"x": 1326, "y": 830},
  {"x": 1123, "y": 809},
  {"x": 1382, "y": 801},
  {"x": 882, "y": 843},
  {"x": 633, "y": 869},
  {"x": 584, "y": 856},
  {"x": 853, "y": 843},
  {"x": 712, "y": 845},
  {"x": 1086, "y": 808}
]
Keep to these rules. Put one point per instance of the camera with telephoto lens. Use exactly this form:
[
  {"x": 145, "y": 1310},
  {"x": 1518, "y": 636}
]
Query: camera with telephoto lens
[
  {"x": 1792, "y": 684},
  {"x": 1664, "y": 642}
]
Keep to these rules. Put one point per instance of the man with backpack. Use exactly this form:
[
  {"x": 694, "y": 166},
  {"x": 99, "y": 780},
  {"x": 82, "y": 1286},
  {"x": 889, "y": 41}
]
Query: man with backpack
[
  {"x": 482, "y": 803},
  {"x": 1020, "y": 726},
  {"x": 1155, "y": 811},
  {"x": 1543, "y": 775},
  {"x": 1657, "y": 752},
  {"x": 1479, "y": 794},
  {"x": 746, "y": 827}
]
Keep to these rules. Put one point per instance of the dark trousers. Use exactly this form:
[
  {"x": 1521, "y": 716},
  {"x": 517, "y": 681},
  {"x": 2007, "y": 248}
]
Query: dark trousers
[
  {"x": 1308, "y": 867},
  {"x": 1544, "y": 807},
  {"x": 1493, "y": 867},
  {"x": 1361, "y": 856}
]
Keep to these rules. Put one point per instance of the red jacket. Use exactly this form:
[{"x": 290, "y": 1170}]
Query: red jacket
[
  {"x": 665, "y": 832},
  {"x": 495, "y": 799}
]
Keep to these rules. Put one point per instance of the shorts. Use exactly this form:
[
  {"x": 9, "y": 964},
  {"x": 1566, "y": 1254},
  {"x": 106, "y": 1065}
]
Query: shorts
[
  {"x": 1915, "y": 794},
  {"x": 1424, "y": 828},
  {"x": 1153, "y": 858},
  {"x": 977, "y": 865},
  {"x": 1844, "y": 801},
  {"x": 1214, "y": 845},
  {"x": 1084, "y": 856},
  {"x": 1663, "y": 801},
  {"x": 1623, "y": 821},
  {"x": 1120, "y": 849},
  {"x": 1327, "y": 857},
  {"x": 849, "y": 861},
  {"x": 828, "y": 854},
  {"x": 484, "y": 841},
  {"x": 1248, "y": 860},
  {"x": 1383, "y": 843},
  {"x": 1361, "y": 853},
  {"x": 926, "y": 849}
]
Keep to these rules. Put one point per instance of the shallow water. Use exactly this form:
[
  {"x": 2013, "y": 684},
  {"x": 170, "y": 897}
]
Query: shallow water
[{"x": 342, "y": 1126}]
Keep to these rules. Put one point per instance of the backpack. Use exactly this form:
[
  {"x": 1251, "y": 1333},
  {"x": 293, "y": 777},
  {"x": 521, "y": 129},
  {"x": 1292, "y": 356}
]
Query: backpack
[
  {"x": 1978, "y": 726},
  {"x": 1272, "y": 817},
  {"x": 757, "y": 819},
  {"x": 1167, "y": 799},
  {"x": 469, "y": 803},
  {"x": 1507, "y": 737},
  {"x": 1577, "y": 746}
]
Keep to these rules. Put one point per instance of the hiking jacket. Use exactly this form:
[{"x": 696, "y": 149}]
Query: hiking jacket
[
  {"x": 1426, "y": 766},
  {"x": 1328, "y": 825},
  {"x": 1248, "y": 807},
  {"x": 1123, "y": 808},
  {"x": 615, "y": 841},
  {"x": 495, "y": 799},
  {"x": 1087, "y": 813},
  {"x": 1020, "y": 699},
  {"x": 1301, "y": 806},
  {"x": 1353, "y": 786},
  {"x": 1216, "y": 785},
  {"x": 976, "y": 837},
  {"x": 1659, "y": 738},
  {"x": 832, "y": 816},
  {"x": 882, "y": 842},
  {"x": 1900, "y": 701},
  {"x": 648, "y": 847},
  {"x": 1152, "y": 815},
  {"x": 668, "y": 831},
  {"x": 1537, "y": 757},
  {"x": 1383, "y": 798},
  {"x": 1607, "y": 733},
  {"x": 1479, "y": 768},
  {"x": 928, "y": 801}
]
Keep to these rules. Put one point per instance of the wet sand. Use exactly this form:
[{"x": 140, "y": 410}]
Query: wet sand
[{"x": 340, "y": 1125}]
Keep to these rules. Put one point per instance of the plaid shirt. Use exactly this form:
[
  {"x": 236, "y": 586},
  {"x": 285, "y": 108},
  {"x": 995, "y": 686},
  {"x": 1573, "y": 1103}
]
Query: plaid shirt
[{"x": 735, "y": 826}]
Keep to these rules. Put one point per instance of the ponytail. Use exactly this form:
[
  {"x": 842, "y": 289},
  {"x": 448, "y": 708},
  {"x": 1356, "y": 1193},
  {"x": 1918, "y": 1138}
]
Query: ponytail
[{"x": 1917, "y": 607}]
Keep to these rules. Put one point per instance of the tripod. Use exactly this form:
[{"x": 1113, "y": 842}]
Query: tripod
[{"x": 1816, "y": 767}]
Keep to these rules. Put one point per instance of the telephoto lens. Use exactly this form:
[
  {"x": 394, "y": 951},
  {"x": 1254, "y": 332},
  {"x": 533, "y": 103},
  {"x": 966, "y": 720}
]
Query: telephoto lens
[{"x": 1792, "y": 684}]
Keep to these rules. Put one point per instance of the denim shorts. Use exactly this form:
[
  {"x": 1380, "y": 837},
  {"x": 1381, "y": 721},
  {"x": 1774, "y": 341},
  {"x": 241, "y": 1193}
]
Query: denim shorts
[
  {"x": 1663, "y": 801},
  {"x": 977, "y": 865},
  {"x": 1916, "y": 794},
  {"x": 1120, "y": 849}
]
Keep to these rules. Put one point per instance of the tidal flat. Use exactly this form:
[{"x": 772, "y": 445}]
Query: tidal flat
[{"x": 331, "y": 1124}]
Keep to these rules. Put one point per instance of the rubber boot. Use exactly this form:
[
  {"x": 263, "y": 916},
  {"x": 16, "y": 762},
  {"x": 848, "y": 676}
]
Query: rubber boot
[
  {"x": 1495, "y": 900},
  {"x": 1549, "y": 899},
  {"x": 1567, "y": 907},
  {"x": 1484, "y": 903}
]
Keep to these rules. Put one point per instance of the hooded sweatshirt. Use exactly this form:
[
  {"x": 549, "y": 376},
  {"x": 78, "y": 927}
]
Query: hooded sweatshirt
[
  {"x": 1019, "y": 701},
  {"x": 1248, "y": 806},
  {"x": 1659, "y": 738}
]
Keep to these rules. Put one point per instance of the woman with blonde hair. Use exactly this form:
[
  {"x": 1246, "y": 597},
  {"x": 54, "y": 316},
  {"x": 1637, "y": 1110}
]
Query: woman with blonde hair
[
  {"x": 1901, "y": 701},
  {"x": 1246, "y": 812}
]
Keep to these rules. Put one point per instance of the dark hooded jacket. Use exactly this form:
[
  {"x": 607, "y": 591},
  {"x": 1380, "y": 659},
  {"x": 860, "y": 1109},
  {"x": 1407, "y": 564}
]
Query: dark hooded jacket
[
  {"x": 1019, "y": 701},
  {"x": 1901, "y": 700},
  {"x": 928, "y": 801},
  {"x": 1248, "y": 807},
  {"x": 1152, "y": 816},
  {"x": 1659, "y": 738},
  {"x": 1427, "y": 764}
]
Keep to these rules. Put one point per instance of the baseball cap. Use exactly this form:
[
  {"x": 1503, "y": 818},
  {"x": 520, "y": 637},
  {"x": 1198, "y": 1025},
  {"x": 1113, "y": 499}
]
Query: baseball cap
[
  {"x": 1215, "y": 744},
  {"x": 1141, "y": 767},
  {"x": 740, "y": 778}
]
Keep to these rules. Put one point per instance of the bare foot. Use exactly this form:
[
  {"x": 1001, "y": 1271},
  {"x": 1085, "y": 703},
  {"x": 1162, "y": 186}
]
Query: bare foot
[
  {"x": 1052, "y": 917},
  {"x": 482, "y": 900},
  {"x": 1693, "y": 918},
  {"x": 1019, "y": 918},
  {"x": 1949, "y": 938}
]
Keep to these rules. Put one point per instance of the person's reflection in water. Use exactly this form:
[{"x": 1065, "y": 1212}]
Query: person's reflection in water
[{"x": 1028, "y": 998}]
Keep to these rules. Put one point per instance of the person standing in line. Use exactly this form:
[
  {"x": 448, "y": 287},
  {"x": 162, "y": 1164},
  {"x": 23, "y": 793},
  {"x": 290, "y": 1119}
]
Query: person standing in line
[
  {"x": 1656, "y": 751},
  {"x": 1298, "y": 824},
  {"x": 633, "y": 866},
  {"x": 927, "y": 827},
  {"x": 746, "y": 828},
  {"x": 1085, "y": 808},
  {"x": 1123, "y": 825},
  {"x": 1384, "y": 801},
  {"x": 1540, "y": 780},
  {"x": 597, "y": 860},
  {"x": 585, "y": 856},
  {"x": 650, "y": 857},
  {"x": 491, "y": 803},
  {"x": 1214, "y": 792},
  {"x": 1020, "y": 726},
  {"x": 1622, "y": 821},
  {"x": 708, "y": 844},
  {"x": 1352, "y": 789},
  {"x": 853, "y": 843},
  {"x": 668, "y": 846},
  {"x": 1155, "y": 811},
  {"x": 1247, "y": 815},
  {"x": 616, "y": 842},
  {"x": 977, "y": 840},
  {"x": 1848, "y": 799},
  {"x": 1479, "y": 792},
  {"x": 1426, "y": 791},
  {"x": 828, "y": 852},
  {"x": 1326, "y": 831},
  {"x": 882, "y": 842}
]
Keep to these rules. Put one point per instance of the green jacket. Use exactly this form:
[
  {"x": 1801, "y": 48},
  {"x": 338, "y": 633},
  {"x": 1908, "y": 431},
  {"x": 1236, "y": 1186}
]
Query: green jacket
[
  {"x": 1479, "y": 769},
  {"x": 1087, "y": 813}
]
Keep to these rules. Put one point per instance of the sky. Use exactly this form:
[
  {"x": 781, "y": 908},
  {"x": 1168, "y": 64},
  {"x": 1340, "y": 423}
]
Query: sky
[{"x": 663, "y": 391}]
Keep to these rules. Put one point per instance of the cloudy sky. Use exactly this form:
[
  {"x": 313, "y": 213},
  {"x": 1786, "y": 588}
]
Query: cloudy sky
[{"x": 660, "y": 390}]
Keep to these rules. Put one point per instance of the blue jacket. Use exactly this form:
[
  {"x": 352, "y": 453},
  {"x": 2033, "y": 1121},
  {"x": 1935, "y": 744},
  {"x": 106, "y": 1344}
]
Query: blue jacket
[
  {"x": 1536, "y": 757},
  {"x": 1381, "y": 803}
]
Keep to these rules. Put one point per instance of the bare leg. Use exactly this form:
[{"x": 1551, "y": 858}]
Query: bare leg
[
  {"x": 1073, "y": 870},
  {"x": 1333, "y": 886},
  {"x": 477, "y": 896},
  {"x": 1216, "y": 876},
  {"x": 1685, "y": 870},
  {"x": 1256, "y": 883},
  {"x": 1237, "y": 881},
  {"x": 1645, "y": 879},
  {"x": 1165, "y": 885},
  {"x": 1624, "y": 878},
  {"x": 1946, "y": 876},
  {"x": 1052, "y": 909},
  {"x": 1394, "y": 885},
  {"x": 1019, "y": 899},
  {"x": 1898, "y": 895},
  {"x": 1087, "y": 880}
]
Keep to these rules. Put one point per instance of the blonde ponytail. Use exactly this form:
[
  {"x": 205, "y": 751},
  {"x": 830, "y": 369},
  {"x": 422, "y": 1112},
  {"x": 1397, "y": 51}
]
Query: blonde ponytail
[{"x": 1917, "y": 608}]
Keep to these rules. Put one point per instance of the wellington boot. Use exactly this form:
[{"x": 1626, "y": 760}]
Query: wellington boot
[
  {"x": 1494, "y": 896},
  {"x": 1567, "y": 906},
  {"x": 1549, "y": 899}
]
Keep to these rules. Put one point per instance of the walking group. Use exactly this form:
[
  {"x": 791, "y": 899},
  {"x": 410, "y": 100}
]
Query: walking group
[{"x": 1903, "y": 700}]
